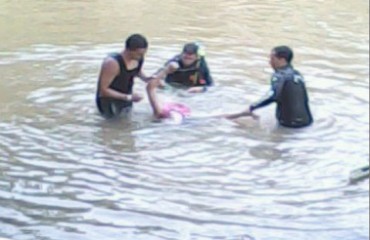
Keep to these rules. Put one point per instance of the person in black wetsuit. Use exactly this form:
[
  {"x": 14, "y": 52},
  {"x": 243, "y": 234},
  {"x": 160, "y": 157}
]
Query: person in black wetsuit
[
  {"x": 187, "y": 70},
  {"x": 115, "y": 94},
  {"x": 288, "y": 90}
]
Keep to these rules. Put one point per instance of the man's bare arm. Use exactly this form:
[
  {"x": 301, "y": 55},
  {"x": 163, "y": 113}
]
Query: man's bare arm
[
  {"x": 151, "y": 90},
  {"x": 109, "y": 70}
]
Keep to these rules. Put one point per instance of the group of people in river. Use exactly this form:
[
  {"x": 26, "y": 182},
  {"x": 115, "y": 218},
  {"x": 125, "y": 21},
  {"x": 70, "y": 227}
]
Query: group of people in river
[{"x": 189, "y": 70}]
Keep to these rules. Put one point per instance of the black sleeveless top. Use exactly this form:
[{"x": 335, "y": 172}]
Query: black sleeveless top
[
  {"x": 194, "y": 75},
  {"x": 124, "y": 81}
]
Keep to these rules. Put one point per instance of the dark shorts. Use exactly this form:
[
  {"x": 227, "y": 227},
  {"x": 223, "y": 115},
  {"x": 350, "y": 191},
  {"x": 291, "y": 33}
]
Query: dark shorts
[{"x": 111, "y": 108}]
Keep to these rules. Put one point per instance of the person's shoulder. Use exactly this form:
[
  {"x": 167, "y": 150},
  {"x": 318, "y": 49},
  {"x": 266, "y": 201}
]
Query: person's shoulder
[
  {"x": 297, "y": 76},
  {"x": 114, "y": 56},
  {"x": 110, "y": 63},
  {"x": 291, "y": 70},
  {"x": 277, "y": 76},
  {"x": 291, "y": 74},
  {"x": 296, "y": 72},
  {"x": 286, "y": 73},
  {"x": 203, "y": 60}
]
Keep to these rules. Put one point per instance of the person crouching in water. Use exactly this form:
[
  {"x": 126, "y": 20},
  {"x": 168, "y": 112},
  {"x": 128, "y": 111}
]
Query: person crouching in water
[{"x": 188, "y": 70}]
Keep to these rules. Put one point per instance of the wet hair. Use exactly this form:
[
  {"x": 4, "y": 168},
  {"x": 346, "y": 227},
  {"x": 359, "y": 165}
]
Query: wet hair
[
  {"x": 284, "y": 52},
  {"x": 136, "y": 41},
  {"x": 191, "y": 48}
]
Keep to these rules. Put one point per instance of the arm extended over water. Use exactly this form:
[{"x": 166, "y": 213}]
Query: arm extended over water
[{"x": 270, "y": 97}]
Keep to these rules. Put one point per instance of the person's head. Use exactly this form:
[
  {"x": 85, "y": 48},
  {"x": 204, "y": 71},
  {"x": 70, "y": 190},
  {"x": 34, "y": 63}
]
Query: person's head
[
  {"x": 136, "y": 46},
  {"x": 281, "y": 56},
  {"x": 189, "y": 54}
]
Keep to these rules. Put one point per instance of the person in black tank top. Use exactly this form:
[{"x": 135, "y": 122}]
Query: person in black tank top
[
  {"x": 114, "y": 94},
  {"x": 288, "y": 90},
  {"x": 188, "y": 70}
]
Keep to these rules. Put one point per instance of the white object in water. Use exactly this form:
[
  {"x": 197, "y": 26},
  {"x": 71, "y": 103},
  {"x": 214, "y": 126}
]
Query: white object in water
[{"x": 359, "y": 174}]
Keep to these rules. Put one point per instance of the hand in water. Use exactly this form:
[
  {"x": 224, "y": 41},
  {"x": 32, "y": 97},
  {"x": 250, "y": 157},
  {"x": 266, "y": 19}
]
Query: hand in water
[
  {"x": 195, "y": 90},
  {"x": 162, "y": 85},
  {"x": 251, "y": 114},
  {"x": 254, "y": 116},
  {"x": 136, "y": 97},
  {"x": 236, "y": 116}
]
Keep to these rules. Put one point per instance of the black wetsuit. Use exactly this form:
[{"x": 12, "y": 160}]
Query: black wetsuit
[
  {"x": 195, "y": 75},
  {"x": 123, "y": 83},
  {"x": 289, "y": 92}
]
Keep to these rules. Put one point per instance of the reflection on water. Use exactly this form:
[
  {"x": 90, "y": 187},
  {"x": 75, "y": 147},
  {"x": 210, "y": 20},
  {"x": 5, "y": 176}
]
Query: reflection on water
[{"x": 67, "y": 174}]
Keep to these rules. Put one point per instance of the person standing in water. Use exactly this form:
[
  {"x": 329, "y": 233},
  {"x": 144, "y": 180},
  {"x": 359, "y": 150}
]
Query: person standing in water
[
  {"x": 288, "y": 90},
  {"x": 187, "y": 70},
  {"x": 115, "y": 94}
]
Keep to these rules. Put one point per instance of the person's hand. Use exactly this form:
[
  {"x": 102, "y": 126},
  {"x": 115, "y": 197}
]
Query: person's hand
[
  {"x": 254, "y": 116},
  {"x": 136, "y": 97},
  {"x": 162, "y": 85},
  {"x": 244, "y": 114},
  {"x": 172, "y": 66},
  {"x": 195, "y": 90}
]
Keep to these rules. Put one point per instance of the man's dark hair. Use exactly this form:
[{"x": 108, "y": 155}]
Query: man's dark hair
[
  {"x": 284, "y": 52},
  {"x": 136, "y": 41}
]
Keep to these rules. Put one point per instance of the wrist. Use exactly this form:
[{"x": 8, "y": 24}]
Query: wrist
[
  {"x": 251, "y": 108},
  {"x": 129, "y": 98}
]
